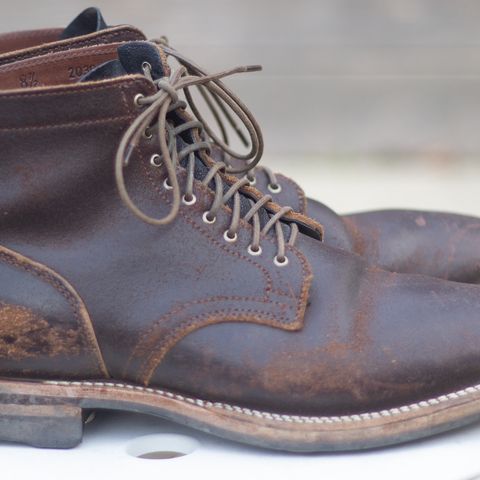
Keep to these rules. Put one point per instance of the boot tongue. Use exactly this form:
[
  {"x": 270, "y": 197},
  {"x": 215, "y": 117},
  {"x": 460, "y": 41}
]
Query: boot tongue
[
  {"x": 89, "y": 21},
  {"x": 132, "y": 56}
]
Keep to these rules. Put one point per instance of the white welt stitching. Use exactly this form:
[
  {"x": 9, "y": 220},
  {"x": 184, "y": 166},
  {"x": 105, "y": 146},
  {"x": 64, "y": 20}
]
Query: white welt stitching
[{"x": 275, "y": 416}]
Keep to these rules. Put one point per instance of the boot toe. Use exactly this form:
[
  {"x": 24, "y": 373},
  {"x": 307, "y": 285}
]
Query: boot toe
[{"x": 437, "y": 244}]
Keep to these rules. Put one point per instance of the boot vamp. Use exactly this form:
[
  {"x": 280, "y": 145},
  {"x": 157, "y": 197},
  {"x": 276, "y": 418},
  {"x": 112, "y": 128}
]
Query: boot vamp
[
  {"x": 437, "y": 244},
  {"x": 337, "y": 232},
  {"x": 371, "y": 340}
]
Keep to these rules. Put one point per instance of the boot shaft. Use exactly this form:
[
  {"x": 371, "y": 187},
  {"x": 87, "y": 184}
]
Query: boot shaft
[
  {"x": 61, "y": 208},
  {"x": 87, "y": 29}
]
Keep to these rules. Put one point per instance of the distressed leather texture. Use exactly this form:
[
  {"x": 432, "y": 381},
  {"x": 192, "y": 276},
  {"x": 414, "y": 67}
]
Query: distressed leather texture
[
  {"x": 43, "y": 323},
  {"x": 199, "y": 280},
  {"x": 177, "y": 307},
  {"x": 438, "y": 244}
]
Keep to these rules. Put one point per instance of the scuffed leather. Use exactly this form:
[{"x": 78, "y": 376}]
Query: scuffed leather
[
  {"x": 61, "y": 207},
  {"x": 372, "y": 340},
  {"x": 437, "y": 244},
  {"x": 176, "y": 307},
  {"x": 442, "y": 245},
  {"x": 44, "y": 327}
]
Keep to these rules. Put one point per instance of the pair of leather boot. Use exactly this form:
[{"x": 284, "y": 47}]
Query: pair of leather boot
[{"x": 146, "y": 265}]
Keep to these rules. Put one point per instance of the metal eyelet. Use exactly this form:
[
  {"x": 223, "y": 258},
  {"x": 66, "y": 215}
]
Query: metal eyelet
[
  {"x": 280, "y": 263},
  {"x": 146, "y": 67},
  {"x": 137, "y": 98},
  {"x": 166, "y": 185},
  {"x": 156, "y": 160},
  {"x": 252, "y": 182},
  {"x": 228, "y": 238},
  {"x": 147, "y": 133},
  {"x": 275, "y": 188},
  {"x": 208, "y": 220},
  {"x": 253, "y": 252},
  {"x": 192, "y": 200}
]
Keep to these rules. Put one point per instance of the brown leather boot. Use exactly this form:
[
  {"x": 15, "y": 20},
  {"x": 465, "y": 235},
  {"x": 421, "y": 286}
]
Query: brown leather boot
[
  {"x": 163, "y": 285},
  {"x": 437, "y": 244}
]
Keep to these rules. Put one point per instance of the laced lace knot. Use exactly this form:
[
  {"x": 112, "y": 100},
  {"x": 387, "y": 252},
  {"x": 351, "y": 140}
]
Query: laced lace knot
[
  {"x": 154, "y": 112},
  {"x": 218, "y": 110}
]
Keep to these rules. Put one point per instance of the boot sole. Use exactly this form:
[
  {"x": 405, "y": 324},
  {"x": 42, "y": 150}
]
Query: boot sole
[{"x": 50, "y": 414}]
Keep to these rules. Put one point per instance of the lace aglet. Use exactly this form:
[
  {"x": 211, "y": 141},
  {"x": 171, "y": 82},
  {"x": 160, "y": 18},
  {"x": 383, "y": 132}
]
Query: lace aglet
[{"x": 253, "y": 68}]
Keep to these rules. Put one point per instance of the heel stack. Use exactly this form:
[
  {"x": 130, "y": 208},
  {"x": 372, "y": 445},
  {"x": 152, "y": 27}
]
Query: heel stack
[{"x": 44, "y": 426}]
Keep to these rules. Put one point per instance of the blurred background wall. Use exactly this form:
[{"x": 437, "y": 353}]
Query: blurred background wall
[{"x": 345, "y": 83}]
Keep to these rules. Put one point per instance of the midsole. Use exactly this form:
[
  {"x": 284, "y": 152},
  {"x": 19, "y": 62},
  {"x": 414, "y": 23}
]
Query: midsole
[
  {"x": 268, "y": 429},
  {"x": 276, "y": 417}
]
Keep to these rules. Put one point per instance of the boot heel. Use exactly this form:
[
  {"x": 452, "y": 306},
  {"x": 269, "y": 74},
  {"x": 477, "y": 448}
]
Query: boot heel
[{"x": 44, "y": 426}]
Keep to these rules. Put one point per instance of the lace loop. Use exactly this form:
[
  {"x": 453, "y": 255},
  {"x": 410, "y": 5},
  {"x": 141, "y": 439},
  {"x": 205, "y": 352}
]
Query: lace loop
[
  {"x": 156, "y": 108},
  {"x": 217, "y": 109},
  {"x": 216, "y": 96}
]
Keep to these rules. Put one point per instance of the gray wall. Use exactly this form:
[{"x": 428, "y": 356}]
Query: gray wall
[{"x": 344, "y": 76}]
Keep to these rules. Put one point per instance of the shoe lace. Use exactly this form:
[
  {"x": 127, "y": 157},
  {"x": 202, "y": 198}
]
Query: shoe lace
[
  {"x": 217, "y": 108},
  {"x": 155, "y": 110}
]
